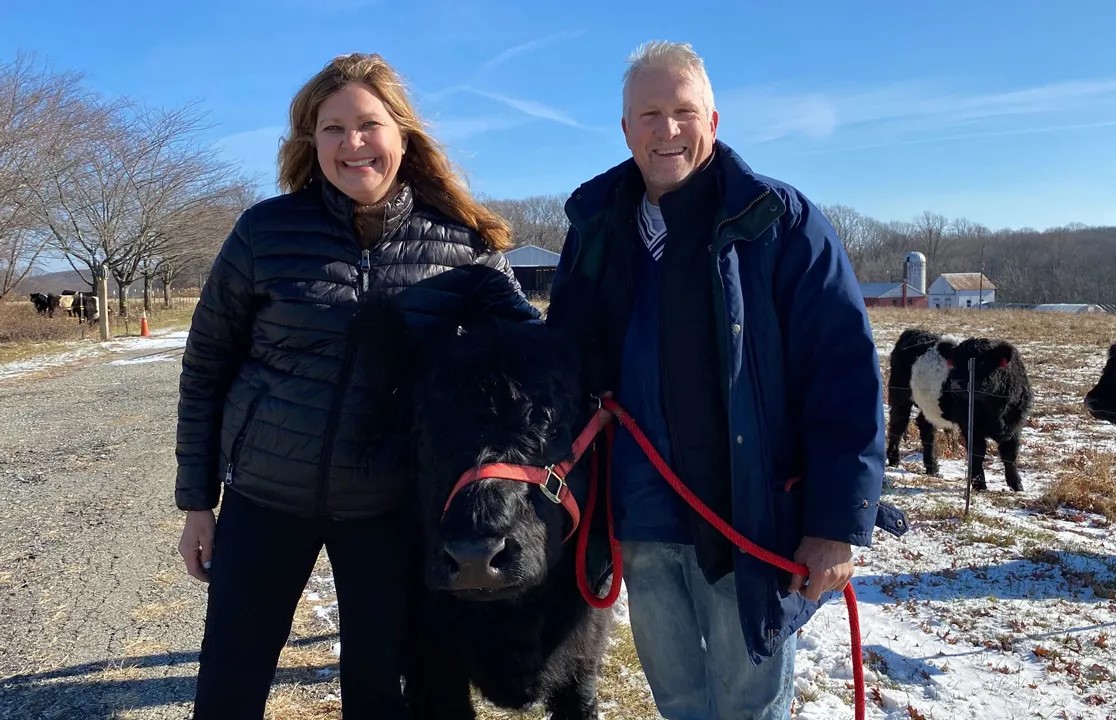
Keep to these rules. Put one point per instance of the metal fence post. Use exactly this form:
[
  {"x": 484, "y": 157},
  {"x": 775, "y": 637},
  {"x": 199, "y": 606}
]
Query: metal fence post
[{"x": 969, "y": 433}]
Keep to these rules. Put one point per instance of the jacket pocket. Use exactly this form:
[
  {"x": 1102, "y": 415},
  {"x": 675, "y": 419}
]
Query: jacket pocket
[
  {"x": 891, "y": 519},
  {"x": 242, "y": 433}
]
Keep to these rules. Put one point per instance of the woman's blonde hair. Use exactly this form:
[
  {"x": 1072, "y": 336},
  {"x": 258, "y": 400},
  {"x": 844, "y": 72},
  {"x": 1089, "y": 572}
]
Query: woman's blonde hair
[{"x": 425, "y": 165}]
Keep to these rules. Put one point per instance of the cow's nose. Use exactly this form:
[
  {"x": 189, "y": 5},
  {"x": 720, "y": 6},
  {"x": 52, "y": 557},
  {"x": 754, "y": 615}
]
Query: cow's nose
[
  {"x": 1091, "y": 402},
  {"x": 479, "y": 563}
]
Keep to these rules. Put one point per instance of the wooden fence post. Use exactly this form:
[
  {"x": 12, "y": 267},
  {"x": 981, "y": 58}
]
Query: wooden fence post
[{"x": 102, "y": 301}]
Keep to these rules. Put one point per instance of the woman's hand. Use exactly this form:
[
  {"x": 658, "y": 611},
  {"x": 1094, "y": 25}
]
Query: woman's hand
[{"x": 196, "y": 545}]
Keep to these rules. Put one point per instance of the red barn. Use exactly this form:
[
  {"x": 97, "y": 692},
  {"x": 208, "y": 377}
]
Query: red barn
[{"x": 890, "y": 294}]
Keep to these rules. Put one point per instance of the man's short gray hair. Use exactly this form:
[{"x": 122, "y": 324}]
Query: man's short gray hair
[{"x": 672, "y": 55}]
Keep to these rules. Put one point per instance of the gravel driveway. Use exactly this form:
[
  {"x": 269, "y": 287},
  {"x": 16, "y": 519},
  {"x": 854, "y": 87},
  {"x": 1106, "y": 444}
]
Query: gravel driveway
[{"x": 97, "y": 616}]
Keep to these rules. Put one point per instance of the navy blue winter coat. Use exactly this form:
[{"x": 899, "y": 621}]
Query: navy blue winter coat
[{"x": 795, "y": 362}]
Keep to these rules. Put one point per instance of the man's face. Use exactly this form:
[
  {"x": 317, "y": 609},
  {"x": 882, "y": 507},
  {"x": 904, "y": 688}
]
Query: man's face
[{"x": 668, "y": 128}]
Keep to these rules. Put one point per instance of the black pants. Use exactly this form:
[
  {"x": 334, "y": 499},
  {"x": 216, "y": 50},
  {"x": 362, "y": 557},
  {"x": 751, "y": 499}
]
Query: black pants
[{"x": 261, "y": 562}]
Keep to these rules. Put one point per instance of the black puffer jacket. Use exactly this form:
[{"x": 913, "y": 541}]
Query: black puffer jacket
[{"x": 276, "y": 392}]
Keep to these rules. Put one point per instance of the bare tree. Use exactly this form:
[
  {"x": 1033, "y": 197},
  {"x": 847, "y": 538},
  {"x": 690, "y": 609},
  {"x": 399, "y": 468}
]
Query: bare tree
[
  {"x": 195, "y": 237},
  {"x": 130, "y": 189},
  {"x": 40, "y": 111},
  {"x": 172, "y": 179},
  {"x": 538, "y": 220},
  {"x": 930, "y": 229},
  {"x": 82, "y": 204}
]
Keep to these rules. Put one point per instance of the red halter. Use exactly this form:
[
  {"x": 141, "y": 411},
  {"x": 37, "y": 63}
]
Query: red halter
[{"x": 550, "y": 479}]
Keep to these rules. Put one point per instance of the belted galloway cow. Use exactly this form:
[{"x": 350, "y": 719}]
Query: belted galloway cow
[{"x": 932, "y": 372}]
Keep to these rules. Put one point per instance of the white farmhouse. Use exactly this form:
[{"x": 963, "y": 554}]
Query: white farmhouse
[{"x": 961, "y": 290}]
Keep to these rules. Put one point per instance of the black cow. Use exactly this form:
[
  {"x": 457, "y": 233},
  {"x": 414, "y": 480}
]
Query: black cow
[
  {"x": 502, "y": 610},
  {"x": 42, "y": 303},
  {"x": 932, "y": 372},
  {"x": 1101, "y": 400}
]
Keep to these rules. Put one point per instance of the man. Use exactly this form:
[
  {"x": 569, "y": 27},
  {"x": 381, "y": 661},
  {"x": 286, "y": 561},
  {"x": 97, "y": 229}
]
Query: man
[{"x": 719, "y": 307}]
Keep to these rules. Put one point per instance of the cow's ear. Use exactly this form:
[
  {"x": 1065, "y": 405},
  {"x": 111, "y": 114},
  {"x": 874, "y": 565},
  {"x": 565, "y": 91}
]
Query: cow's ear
[
  {"x": 1002, "y": 353},
  {"x": 1112, "y": 351},
  {"x": 945, "y": 348}
]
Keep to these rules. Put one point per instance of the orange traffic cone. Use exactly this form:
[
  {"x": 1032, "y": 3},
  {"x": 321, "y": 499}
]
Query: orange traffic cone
[{"x": 144, "y": 332}]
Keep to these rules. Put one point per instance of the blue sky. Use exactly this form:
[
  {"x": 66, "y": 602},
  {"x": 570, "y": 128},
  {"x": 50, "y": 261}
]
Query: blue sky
[{"x": 1002, "y": 112}]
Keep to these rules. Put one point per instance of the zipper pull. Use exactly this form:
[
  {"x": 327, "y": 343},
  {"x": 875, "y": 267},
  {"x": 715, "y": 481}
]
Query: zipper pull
[
  {"x": 365, "y": 267},
  {"x": 228, "y": 475}
]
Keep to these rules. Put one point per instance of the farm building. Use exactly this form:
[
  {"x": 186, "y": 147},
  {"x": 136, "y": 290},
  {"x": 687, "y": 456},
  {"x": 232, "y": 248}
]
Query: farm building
[
  {"x": 534, "y": 267},
  {"x": 961, "y": 290},
  {"x": 890, "y": 294}
]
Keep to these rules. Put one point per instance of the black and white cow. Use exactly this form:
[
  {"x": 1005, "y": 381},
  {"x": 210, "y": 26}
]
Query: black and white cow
[
  {"x": 66, "y": 302},
  {"x": 86, "y": 307},
  {"x": 83, "y": 306},
  {"x": 932, "y": 372},
  {"x": 1101, "y": 400},
  {"x": 41, "y": 302}
]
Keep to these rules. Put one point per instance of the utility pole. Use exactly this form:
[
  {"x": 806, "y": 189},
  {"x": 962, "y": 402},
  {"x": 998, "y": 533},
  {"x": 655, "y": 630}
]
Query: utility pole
[{"x": 980, "y": 298}]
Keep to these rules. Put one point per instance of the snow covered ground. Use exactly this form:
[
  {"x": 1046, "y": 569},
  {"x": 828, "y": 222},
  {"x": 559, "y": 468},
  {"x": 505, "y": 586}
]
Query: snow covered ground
[{"x": 157, "y": 346}]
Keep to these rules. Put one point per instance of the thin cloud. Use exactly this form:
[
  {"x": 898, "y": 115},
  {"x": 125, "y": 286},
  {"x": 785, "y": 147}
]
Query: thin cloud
[
  {"x": 971, "y": 136},
  {"x": 766, "y": 114},
  {"x": 252, "y": 138},
  {"x": 530, "y": 107},
  {"x": 529, "y": 46},
  {"x": 457, "y": 129}
]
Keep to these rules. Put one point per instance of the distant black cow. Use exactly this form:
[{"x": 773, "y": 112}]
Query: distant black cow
[
  {"x": 42, "y": 303},
  {"x": 932, "y": 372},
  {"x": 503, "y": 612},
  {"x": 1101, "y": 400}
]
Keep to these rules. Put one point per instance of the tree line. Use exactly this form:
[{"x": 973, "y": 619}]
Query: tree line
[
  {"x": 111, "y": 181},
  {"x": 1075, "y": 263}
]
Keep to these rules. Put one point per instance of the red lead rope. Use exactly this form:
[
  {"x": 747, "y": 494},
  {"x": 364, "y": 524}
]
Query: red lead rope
[{"x": 724, "y": 528}]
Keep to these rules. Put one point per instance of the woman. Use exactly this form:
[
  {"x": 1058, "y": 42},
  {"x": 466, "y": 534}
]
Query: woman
[{"x": 277, "y": 405}]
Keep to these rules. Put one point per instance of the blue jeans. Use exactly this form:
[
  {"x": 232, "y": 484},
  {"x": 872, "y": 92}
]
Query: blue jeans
[{"x": 688, "y": 639}]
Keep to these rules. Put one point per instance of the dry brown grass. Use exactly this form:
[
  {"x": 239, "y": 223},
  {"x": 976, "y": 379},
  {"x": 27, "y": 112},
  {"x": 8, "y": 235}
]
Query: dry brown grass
[
  {"x": 309, "y": 658},
  {"x": 1096, "y": 329},
  {"x": 154, "y": 612},
  {"x": 176, "y": 317},
  {"x": 1087, "y": 482},
  {"x": 301, "y": 702},
  {"x": 622, "y": 682},
  {"x": 128, "y": 669},
  {"x": 24, "y": 333}
]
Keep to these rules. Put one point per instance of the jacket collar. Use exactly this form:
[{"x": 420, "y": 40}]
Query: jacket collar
[
  {"x": 340, "y": 205},
  {"x": 739, "y": 185}
]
